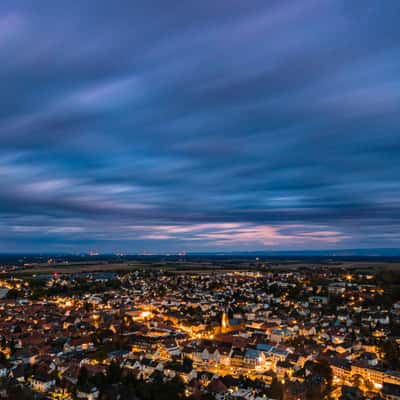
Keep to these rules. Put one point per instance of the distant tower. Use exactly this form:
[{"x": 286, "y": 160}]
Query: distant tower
[{"x": 225, "y": 327}]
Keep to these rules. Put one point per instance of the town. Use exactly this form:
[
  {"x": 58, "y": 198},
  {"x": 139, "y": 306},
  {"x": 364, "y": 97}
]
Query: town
[{"x": 311, "y": 333}]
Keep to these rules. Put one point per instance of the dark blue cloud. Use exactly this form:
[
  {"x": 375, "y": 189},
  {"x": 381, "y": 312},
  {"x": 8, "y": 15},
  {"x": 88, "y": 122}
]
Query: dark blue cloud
[{"x": 133, "y": 125}]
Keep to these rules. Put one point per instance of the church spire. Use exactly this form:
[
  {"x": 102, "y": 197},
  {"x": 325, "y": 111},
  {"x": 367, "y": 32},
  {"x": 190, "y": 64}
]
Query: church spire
[{"x": 224, "y": 322}]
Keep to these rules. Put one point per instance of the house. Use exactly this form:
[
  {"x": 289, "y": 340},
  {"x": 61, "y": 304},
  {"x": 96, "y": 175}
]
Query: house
[
  {"x": 173, "y": 349},
  {"x": 341, "y": 368},
  {"x": 351, "y": 393},
  {"x": 146, "y": 367},
  {"x": 284, "y": 368},
  {"x": 186, "y": 374},
  {"x": 237, "y": 358},
  {"x": 78, "y": 344},
  {"x": 207, "y": 354},
  {"x": 242, "y": 394},
  {"x": 42, "y": 382},
  {"x": 217, "y": 386},
  {"x": 18, "y": 373},
  {"x": 370, "y": 358},
  {"x": 225, "y": 354},
  {"x": 3, "y": 370},
  {"x": 373, "y": 374},
  {"x": 392, "y": 377},
  {"x": 308, "y": 330},
  {"x": 254, "y": 359},
  {"x": 279, "y": 335},
  {"x": 294, "y": 391},
  {"x": 391, "y": 391},
  {"x": 88, "y": 394},
  {"x": 278, "y": 354},
  {"x": 318, "y": 300}
]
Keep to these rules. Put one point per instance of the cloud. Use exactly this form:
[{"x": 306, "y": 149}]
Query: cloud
[{"x": 205, "y": 126}]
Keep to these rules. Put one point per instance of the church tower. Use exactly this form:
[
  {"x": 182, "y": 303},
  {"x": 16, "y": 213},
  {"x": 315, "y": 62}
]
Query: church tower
[{"x": 225, "y": 327}]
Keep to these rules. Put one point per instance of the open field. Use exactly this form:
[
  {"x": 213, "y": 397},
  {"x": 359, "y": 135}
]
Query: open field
[
  {"x": 215, "y": 265},
  {"x": 351, "y": 265}
]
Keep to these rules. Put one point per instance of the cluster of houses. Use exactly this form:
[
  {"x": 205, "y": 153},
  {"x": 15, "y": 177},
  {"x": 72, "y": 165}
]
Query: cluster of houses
[{"x": 218, "y": 332}]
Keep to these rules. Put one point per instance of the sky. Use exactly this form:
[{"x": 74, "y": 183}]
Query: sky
[{"x": 199, "y": 125}]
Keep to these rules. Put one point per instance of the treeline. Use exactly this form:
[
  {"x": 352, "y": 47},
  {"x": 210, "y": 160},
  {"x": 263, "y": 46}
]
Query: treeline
[{"x": 116, "y": 384}]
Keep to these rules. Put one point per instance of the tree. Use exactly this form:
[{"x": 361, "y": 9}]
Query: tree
[
  {"x": 325, "y": 371},
  {"x": 114, "y": 372},
  {"x": 100, "y": 381},
  {"x": 187, "y": 364},
  {"x": 391, "y": 353},
  {"x": 3, "y": 358},
  {"x": 276, "y": 389},
  {"x": 83, "y": 378},
  {"x": 357, "y": 380}
]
